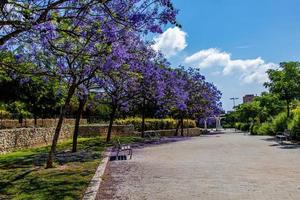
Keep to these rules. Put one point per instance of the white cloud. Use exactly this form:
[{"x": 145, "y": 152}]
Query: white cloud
[
  {"x": 252, "y": 70},
  {"x": 172, "y": 41}
]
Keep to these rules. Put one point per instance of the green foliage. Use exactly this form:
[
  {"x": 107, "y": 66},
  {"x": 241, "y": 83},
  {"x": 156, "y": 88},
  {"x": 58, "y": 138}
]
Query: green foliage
[
  {"x": 279, "y": 123},
  {"x": 227, "y": 125},
  {"x": 284, "y": 82},
  {"x": 19, "y": 109},
  {"x": 248, "y": 112},
  {"x": 294, "y": 123},
  {"x": 254, "y": 129},
  {"x": 4, "y": 114},
  {"x": 238, "y": 125},
  {"x": 265, "y": 129},
  {"x": 244, "y": 127},
  {"x": 155, "y": 124},
  {"x": 270, "y": 105},
  {"x": 23, "y": 175},
  {"x": 39, "y": 96},
  {"x": 229, "y": 120}
]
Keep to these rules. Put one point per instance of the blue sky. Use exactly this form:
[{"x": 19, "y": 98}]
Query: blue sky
[{"x": 234, "y": 42}]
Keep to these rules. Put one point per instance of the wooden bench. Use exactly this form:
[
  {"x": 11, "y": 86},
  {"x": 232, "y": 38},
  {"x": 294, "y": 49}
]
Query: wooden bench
[
  {"x": 283, "y": 136},
  {"x": 123, "y": 148}
]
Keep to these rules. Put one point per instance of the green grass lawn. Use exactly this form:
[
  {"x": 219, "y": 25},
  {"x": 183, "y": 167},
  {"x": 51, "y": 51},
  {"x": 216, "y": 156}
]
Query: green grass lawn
[{"x": 23, "y": 174}]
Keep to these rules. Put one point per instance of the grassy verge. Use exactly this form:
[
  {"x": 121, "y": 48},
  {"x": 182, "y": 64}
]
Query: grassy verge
[{"x": 23, "y": 175}]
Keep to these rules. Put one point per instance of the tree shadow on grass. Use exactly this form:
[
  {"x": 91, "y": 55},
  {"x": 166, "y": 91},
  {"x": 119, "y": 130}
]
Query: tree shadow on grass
[
  {"x": 23, "y": 174},
  {"x": 52, "y": 185}
]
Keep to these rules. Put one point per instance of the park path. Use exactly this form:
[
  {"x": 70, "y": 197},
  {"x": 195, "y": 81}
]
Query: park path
[{"x": 217, "y": 167}]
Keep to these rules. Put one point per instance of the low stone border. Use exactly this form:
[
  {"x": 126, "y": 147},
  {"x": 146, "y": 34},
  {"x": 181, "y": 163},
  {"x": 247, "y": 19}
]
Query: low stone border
[{"x": 92, "y": 190}]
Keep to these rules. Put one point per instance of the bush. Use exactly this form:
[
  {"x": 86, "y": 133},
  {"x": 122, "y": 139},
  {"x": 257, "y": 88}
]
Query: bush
[
  {"x": 238, "y": 125},
  {"x": 4, "y": 114},
  {"x": 244, "y": 127},
  {"x": 254, "y": 129},
  {"x": 265, "y": 129},
  {"x": 294, "y": 125},
  {"x": 227, "y": 126},
  {"x": 155, "y": 124},
  {"x": 279, "y": 123}
]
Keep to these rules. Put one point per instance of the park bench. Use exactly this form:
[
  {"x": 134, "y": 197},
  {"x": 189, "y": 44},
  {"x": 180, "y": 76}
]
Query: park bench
[
  {"x": 283, "y": 136},
  {"x": 123, "y": 148},
  {"x": 152, "y": 135}
]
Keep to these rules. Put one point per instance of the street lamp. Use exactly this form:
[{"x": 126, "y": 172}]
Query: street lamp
[{"x": 233, "y": 100}]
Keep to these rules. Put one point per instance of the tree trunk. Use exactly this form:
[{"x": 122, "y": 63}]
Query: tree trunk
[
  {"x": 177, "y": 127},
  {"x": 77, "y": 122},
  {"x": 58, "y": 127},
  {"x": 187, "y": 130},
  {"x": 111, "y": 120},
  {"x": 181, "y": 119},
  {"x": 143, "y": 118},
  {"x": 35, "y": 121}
]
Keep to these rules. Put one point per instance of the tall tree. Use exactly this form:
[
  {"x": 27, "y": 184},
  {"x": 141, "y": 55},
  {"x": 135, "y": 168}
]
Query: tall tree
[{"x": 285, "y": 82}]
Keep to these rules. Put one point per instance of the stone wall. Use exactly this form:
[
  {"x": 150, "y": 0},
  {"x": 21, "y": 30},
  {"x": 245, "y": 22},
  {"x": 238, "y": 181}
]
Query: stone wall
[
  {"x": 187, "y": 132},
  {"x": 101, "y": 130},
  {"x": 13, "y": 139},
  {"x": 12, "y": 123}
]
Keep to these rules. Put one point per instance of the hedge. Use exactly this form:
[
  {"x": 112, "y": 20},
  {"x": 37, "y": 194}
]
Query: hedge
[
  {"x": 294, "y": 123},
  {"x": 155, "y": 124}
]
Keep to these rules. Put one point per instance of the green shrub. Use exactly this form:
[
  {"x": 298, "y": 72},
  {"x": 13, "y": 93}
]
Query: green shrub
[
  {"x": 279, "y": 123},
  {"x": 244, "y": 127},
  {"x": 4, "y": 114},
  {"x": 294, "y": 125},
  {"x": 238, "y": 125},
  {"x": 155, "y": 124},
  {"x": 254, "y": 129},
  {"x": 265, "y": 129},
  {"x": 227, "y": 126}
]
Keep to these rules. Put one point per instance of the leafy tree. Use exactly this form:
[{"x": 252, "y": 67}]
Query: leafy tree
[
  {"x": 37, "y": 93},
  {"x": 285, "y": 82},
  {"x": 248, "y": 112},
  {"x": 270, "y": 105}
]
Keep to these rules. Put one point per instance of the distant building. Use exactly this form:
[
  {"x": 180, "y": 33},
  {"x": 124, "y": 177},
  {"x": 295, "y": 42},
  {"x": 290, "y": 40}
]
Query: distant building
[{"x": 248, "y": 98}]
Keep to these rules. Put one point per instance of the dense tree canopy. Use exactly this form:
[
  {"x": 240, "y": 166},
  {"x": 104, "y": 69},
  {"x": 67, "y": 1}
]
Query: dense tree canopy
[
  {"x": 95, "y": 52},
  {"x": 285, "y": 82},
  {"x": 271, "y": 113}
]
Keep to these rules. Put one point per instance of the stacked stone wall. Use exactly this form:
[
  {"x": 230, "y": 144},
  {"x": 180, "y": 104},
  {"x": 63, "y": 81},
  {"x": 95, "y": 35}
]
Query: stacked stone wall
[{"x": 19, "y": 138}]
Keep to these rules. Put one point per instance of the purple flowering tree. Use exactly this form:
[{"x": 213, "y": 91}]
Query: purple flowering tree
[
  {"x": 118, "y": 87},
  {"x": 97, "y": 42},
  {"x": 189, "y": 95},
  {"x": 74, "y": 50},
  {"x": 151, "y": 68},
  {"x": 19, "y": 17}
]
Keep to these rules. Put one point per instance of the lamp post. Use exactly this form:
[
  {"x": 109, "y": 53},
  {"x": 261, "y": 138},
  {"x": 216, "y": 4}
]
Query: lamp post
[{"x": 233, "y": 100}]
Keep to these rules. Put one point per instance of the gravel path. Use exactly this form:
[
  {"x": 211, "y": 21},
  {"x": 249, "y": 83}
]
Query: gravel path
[{"x": 218, "y": 167}]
